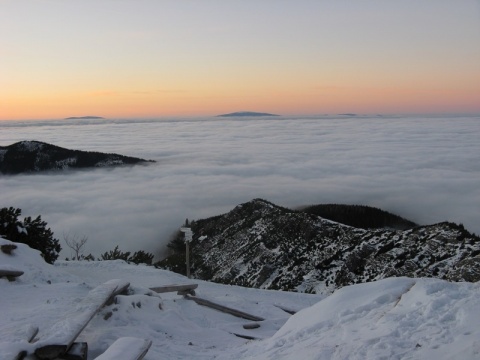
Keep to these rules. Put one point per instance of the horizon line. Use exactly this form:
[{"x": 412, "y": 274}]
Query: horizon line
[{"x": 100, "y": 118}]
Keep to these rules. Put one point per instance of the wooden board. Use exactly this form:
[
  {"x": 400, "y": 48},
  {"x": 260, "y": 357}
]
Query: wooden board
[
  {"x": 248, "y": 337},
  {"x": 62, "y": 334},
  {"x": 251, "y": 326},
  {"x": 126, "y": 348},
  {"x": 224, "y": 309},
  {"x": 289, "y": 311},
  {"x": 8, "y": 248},
  {"x": 121, "y": 289},
  {"x": 31, "y": 333},
  {"x": 174, "y": 287},
  {"x": 78, "y": 351},
  {"x": 10, "y": 273}
]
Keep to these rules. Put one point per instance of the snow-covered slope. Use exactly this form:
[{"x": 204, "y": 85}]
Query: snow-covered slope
[
  {"x": 259, "y": 244},
  {"x": 396, "y": 318},
  {"x": 393, "y": 318}
]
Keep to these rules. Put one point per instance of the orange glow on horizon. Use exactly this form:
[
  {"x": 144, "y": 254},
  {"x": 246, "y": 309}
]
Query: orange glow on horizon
[{"x": 286, "y": 101}]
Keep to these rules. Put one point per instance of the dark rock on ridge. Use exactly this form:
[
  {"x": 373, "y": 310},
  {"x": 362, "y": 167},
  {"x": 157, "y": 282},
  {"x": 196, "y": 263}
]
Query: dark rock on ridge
[
  {"x": 35, "y": 156},
  {"x": 262, "y": 245}
]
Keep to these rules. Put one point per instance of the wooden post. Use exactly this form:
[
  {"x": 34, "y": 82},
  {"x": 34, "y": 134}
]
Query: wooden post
[{"x": 187, "y": 257}]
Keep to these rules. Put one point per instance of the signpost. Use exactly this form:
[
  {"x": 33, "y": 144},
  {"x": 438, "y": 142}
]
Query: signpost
[{"x": 188, "y": 238}]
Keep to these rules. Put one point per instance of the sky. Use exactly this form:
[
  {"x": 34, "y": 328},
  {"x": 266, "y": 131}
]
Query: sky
[
  {"x": 149, "y": 58},
  {"x": 424, "y": 169}
]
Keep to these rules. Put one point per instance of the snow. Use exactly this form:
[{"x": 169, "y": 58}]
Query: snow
[
  {"x": 395, "y": 318},
  {"x": 125, "y": 348},
  {"x": 75, "y": 319},
  {"x": 65, "y": 163},
  {"x": 21, "y": 229},
  {"x": 30, "y": 145}
]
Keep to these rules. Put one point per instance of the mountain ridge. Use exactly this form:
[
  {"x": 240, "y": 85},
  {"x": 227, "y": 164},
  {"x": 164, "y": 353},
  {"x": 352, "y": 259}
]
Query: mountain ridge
[
  {"x": 36, "y": 156},
  {"x": 259, "y": 244}
]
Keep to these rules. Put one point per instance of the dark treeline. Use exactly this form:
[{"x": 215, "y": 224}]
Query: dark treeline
[{"x": 35, "y": 233}]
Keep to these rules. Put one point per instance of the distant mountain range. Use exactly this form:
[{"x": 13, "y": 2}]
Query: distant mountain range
[
  {"x": 83, "y": 117},
  {"x": 246, "y": 114},
  {"x": 35, "y": 156},
  {"x": 262, "y": 245}
]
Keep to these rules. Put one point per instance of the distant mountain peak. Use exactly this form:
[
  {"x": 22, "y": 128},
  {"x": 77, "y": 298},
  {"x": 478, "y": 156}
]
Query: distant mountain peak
[
  {"x": 84, "y": 117},
  {"x": 246, "y": 114}
]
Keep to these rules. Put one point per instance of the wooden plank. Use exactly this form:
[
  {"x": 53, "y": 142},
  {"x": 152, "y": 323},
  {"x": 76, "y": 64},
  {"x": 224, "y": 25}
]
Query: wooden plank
[
  {"x": 289, "y": 311},
  {"x": 248, "y": 337},
  {"x": 21, "y": 355},
  {"x": 8, "y": 248},
  {"x": 10, "y": 273},
  {"x": 174, "y": 287},
  {"x": 126, "y": 348},
  {"x": 251, "y": 326},
  {"x": 62, "y": 334},
  {"x": 32, "y": 332},
  {"x": 122, "y": 289},
  {"x": 186, "y": 292},
  {"x": 224, "y": 309},
  {"x": 78, "y": 351}
]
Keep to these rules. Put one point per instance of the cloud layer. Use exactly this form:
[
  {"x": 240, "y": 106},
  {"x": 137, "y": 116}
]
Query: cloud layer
[{"x": 424, "y": 169}]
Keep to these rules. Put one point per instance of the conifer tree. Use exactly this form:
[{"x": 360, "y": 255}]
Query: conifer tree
[{"x": 33, "y": 232}]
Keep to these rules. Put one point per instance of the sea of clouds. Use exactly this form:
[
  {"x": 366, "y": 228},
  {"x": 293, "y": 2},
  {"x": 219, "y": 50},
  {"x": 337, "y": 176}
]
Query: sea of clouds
[{"x": 426, "y": 169}]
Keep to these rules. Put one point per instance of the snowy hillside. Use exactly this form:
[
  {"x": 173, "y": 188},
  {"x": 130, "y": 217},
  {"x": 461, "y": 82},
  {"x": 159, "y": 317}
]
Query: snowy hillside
[
  {"x": 263, "y": 245},
  {"x": 392, "y": 318}
]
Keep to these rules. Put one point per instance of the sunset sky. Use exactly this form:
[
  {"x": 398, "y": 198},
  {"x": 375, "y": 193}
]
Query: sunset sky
[{"x": 154, "y": 58}]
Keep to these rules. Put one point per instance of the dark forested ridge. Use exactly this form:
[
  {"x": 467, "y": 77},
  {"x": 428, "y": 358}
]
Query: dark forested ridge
[
  {"x": 35, "y": 156},
  {"x": 360, "y": 216}
]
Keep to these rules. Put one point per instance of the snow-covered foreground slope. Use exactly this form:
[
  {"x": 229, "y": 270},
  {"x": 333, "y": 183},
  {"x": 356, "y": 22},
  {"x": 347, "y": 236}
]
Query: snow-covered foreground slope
[{"x": 394, "y": 318}]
